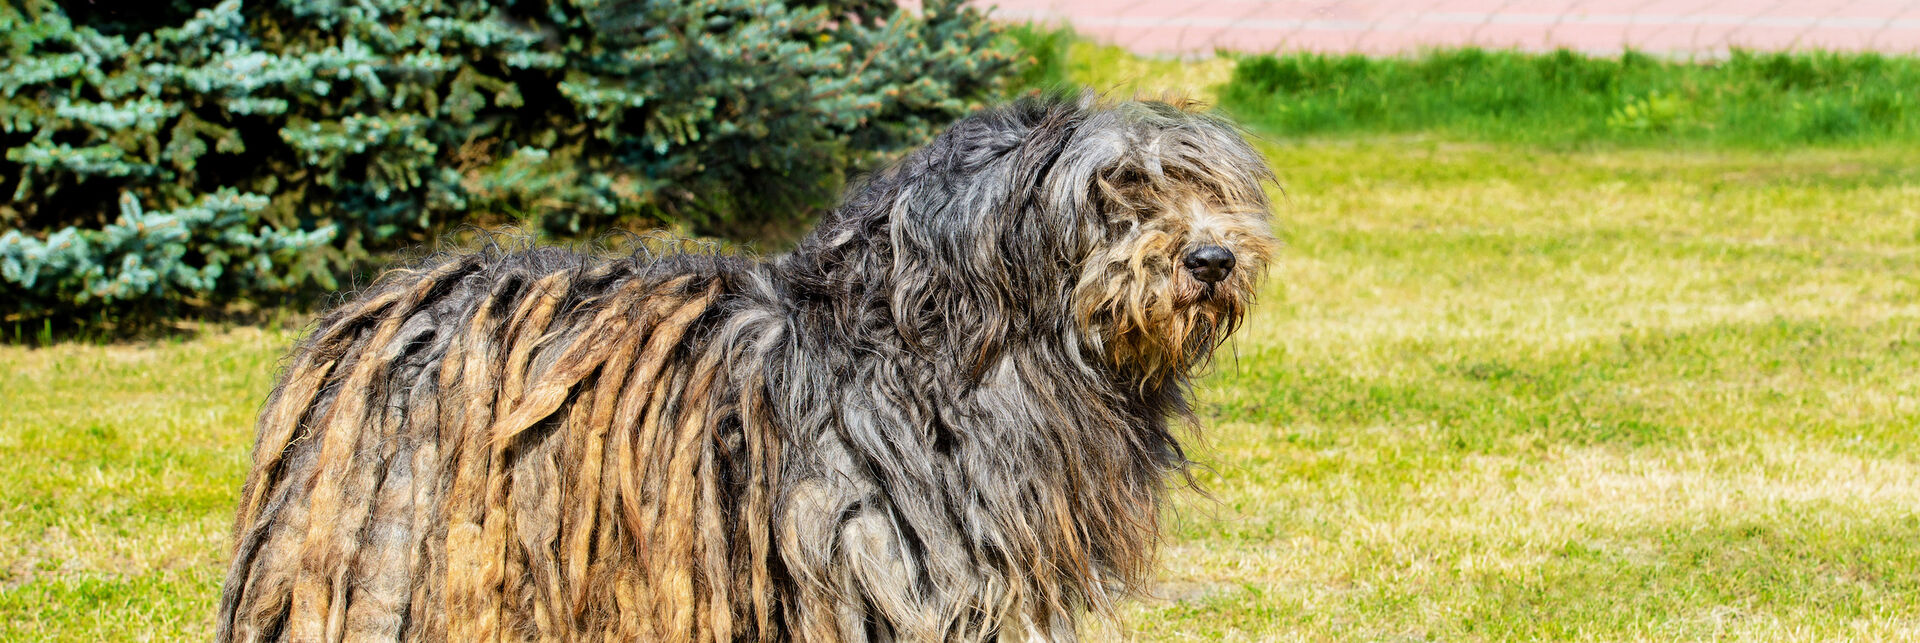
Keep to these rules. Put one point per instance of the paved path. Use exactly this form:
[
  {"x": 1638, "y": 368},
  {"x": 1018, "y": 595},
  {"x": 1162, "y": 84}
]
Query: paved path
[{"x": 1705, "y": 28}]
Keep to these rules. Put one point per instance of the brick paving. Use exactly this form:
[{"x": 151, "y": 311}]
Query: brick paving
[{"x": 1680, "y": 28}]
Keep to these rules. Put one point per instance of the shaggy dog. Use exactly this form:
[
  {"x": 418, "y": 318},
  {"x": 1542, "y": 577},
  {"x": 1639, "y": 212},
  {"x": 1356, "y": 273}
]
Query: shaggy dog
[{"x": 942, "y": 417}]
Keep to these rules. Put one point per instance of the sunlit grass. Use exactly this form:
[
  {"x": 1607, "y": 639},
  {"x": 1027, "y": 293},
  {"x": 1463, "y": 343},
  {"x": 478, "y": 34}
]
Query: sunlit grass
[
  {"x": 1491, "y": 393},
  {"x": 1749, "y": 99},
  {"x": 1497, "y": 394},
  {"x": 1060, "y": 59},
  {"x": 121, "y": 467},
  {"x": 1116, "y": 72},
  {"x": 1561, "y": 98}
]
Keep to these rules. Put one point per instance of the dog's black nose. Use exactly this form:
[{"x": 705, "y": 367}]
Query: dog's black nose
[{"x": 1210, "y": 263}]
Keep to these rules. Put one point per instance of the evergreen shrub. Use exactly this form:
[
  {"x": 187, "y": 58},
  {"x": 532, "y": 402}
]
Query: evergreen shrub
[{"x": 197, "y": 152}]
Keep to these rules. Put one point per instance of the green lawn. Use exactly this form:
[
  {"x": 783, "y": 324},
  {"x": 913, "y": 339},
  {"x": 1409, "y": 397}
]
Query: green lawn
[
  {"x": 121, "y": 467},
  {"x": 1494, "y": 392},
  {"x": 1498, "y": 393}
]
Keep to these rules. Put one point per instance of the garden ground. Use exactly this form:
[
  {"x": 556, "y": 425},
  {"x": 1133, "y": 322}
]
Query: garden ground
[{"x": 1494, "y": 391}]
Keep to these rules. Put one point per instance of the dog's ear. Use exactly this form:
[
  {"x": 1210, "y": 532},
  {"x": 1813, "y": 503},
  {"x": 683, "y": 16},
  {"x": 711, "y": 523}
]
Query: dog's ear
[
  {"x": 982, "y": 220},
  {"x": 950, "y": 294}
]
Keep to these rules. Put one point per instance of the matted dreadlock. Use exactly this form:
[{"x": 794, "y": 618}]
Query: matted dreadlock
[{"x": 943, "y": 416}]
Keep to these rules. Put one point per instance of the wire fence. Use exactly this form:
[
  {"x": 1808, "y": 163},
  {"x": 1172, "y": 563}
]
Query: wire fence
[{"x": 1675, "y": 28}]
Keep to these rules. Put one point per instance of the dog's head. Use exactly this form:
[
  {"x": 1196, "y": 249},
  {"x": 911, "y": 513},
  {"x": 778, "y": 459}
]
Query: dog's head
[
  {"x": 1179, "y": 233},
  {"x": 1135, "y": 230}
]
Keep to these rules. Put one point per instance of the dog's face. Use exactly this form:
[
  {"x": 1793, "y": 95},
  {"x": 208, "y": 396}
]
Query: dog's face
[
  {"x": 1183, "y": 236},
  {"x": 1141, "y": 228}
]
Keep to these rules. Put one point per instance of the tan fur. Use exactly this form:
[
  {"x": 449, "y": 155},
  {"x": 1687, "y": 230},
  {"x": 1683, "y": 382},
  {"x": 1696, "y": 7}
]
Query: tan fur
[{"x": 1136, "y": 297}]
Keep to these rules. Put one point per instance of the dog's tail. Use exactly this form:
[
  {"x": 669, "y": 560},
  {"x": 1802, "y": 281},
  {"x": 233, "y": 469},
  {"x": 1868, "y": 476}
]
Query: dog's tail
[{"x": 500, "y": 444}]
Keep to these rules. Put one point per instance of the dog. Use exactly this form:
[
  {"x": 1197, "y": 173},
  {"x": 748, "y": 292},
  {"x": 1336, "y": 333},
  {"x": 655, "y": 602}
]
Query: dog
[{"x": 948, "y": 414}]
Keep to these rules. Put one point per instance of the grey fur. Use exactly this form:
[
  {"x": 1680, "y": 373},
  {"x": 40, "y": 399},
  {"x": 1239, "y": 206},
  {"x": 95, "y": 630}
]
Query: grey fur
[{"x": 943, "y": 416}]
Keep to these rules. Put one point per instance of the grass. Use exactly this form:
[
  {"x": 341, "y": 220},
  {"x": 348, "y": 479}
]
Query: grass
[
  {"x": 1495, "y": 391},
  {"x": 1498, "y": 393},
  {"x": 1751, "y": 99},
  {"x": 123, "y": 465},
  {"x": 1059, "y": 58}
]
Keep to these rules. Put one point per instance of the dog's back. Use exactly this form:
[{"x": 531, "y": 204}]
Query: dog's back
[{"x": 437, "y": 461}]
